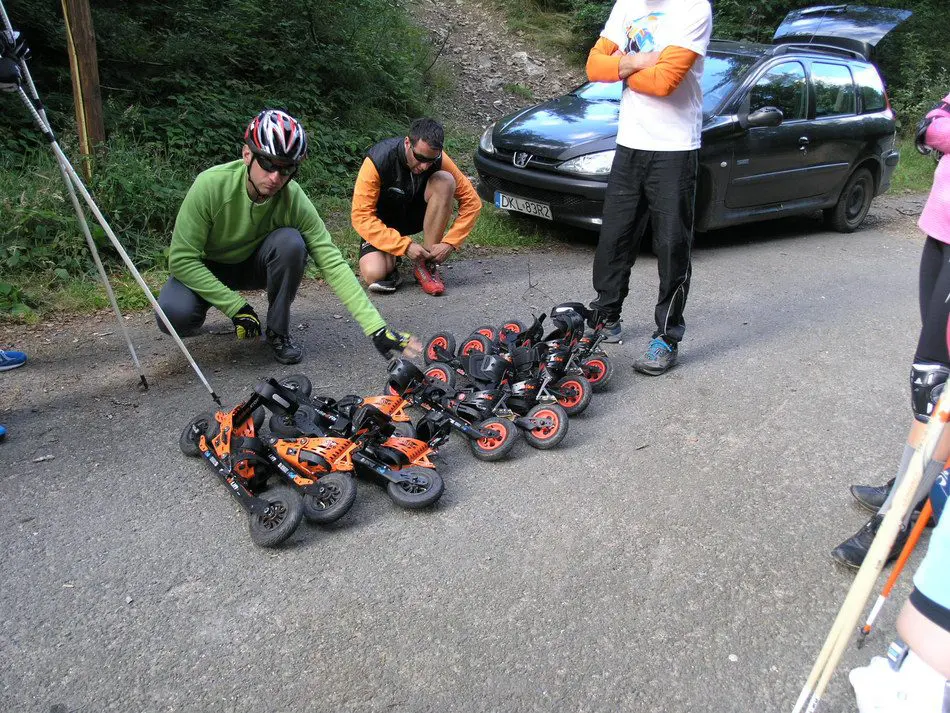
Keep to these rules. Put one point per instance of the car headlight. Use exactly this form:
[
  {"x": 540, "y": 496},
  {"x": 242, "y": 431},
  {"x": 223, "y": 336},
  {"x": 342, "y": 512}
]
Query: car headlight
[
  {"x": 485, "y": 143},
  {"x": 592, "y": 164}
]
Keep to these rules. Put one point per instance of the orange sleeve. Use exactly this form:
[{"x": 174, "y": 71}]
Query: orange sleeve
[
  {"x": 363, "y": 214},
  {"x": 469, "y": 204},
  {"x": 661, "y": 79},
  {"x": 602, "y": 66}
]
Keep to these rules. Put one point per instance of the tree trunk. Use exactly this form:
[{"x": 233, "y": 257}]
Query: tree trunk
[{"x": 84, "y": 65}]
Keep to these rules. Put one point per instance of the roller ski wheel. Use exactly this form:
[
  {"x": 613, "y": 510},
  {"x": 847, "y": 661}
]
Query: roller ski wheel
[
  {"x": 486, "y": 330},
  {"x": 439, "y": 342},
  {"x": 442, "y": 372},
  {"x": 403, "y": 429},
  {"x": 188, "y": 441},
  {"x": 302, "y": 423},
  {"x": 298, "y": 383},
  {"x": 474, "y": 344},
  {"x": 512, "y": 326},
  {"x": 574, "y": 393},
  {"x": 337, "y": 495},
  {"x": 548, "y": 436},
  {"x": 281, "y": 519},
  {"x": 598, "y": 370},
  {"x": 421, "y": 487},
  {"x": 499, "y": 444}
]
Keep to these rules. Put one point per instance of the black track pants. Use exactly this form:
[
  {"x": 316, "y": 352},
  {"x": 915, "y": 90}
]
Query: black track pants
[
  {"x": 659, "y": 186},
  {"x": 934, "y": 303}
]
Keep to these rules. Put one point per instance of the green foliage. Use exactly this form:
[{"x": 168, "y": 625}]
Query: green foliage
[{"x": 914, "y": 173}]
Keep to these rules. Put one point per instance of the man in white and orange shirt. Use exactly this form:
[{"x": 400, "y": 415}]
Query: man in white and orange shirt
[
  {"x": 409, "y": 185},
  {"x": 656, "y": 47}
]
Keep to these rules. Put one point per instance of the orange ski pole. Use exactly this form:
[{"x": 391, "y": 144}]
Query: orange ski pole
[{"x": 909, "y": 546}]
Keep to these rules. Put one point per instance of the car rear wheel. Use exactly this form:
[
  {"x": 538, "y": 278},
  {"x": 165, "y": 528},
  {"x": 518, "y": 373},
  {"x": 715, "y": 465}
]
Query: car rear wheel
[{"x": 853, "y": 203}]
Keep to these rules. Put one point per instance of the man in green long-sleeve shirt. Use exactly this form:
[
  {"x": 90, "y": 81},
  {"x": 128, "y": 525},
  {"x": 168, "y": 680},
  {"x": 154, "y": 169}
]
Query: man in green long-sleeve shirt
[{"x": 247, "y": 225}]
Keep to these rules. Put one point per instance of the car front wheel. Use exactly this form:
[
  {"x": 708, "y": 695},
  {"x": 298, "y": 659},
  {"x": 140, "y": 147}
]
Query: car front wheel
[{"x": 853, "y": 203}]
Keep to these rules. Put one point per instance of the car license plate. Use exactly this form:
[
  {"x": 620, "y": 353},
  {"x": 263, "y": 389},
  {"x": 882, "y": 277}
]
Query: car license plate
[{"x": 520, "y": 205}]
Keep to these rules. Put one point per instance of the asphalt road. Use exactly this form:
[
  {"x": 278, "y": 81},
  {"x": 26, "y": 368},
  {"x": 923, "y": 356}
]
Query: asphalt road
[{"x": 672, "y": 555}]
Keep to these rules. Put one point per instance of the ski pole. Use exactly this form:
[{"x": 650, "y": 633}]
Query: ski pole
[
  {"x": 847, "y": 619},
  {"x": 909, "y": 546}
]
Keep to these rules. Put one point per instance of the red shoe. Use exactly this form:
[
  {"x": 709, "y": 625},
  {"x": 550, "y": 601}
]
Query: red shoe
[{"x": 428, "y": 278}]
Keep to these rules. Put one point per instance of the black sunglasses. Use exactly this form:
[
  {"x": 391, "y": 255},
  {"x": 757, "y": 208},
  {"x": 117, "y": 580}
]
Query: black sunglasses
[
  {"x": 284, "y": 169},
  {"x": 425, "y": 159}
]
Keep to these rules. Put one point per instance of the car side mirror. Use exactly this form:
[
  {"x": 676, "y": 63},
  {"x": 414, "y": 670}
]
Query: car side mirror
[{"x": 766, "y": 116}]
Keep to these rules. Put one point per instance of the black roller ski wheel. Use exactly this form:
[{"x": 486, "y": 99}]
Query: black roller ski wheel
[
  {"x": 403, "y": 429},
  {"x": 547, "y": 436},
  {"x": 439, "y": 342},
  {"x": 475, "y": 343},
  {"x": 575, "y": 393},
  {"x": 512, "y": 326},
  {"x": 442, "y": 372},
  {"x": 422, "y": 487},
  {"x": 280, "y": 520},
  {"x": 299, "y": 383},
  {"x": 486, "y": 330},
  {"x": 337, "y": 495},
  {"x": 598, "y": 371},
  {"x": 499, "y": 444},
  {"x": 188, "y": 441}
]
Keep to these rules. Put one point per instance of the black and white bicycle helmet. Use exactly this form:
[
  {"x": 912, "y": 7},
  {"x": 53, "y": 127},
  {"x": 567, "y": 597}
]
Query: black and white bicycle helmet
[{"x": 277, "y": 135}]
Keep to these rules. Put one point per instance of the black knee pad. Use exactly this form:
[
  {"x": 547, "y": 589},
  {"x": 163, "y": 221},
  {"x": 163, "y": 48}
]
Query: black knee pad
[{"x": 926, "y": 385}]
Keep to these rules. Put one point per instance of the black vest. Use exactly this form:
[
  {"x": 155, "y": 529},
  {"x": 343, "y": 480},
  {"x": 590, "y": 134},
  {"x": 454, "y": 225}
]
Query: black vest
[{"x": 399, "y": 188}]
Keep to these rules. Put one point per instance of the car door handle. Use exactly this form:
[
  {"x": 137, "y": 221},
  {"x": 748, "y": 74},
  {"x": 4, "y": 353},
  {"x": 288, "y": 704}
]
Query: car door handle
[{"x": 803, "y": 141}]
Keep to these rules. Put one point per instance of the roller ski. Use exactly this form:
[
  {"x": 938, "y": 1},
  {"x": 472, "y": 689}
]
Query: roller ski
[
  {"x": 229, "y": 442},
  {"x": 357, "y": 435}
]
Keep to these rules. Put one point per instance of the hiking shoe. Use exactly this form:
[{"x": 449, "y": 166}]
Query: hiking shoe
[
  {"x": 658, "y": 358},
  {"x": 11, "y": 360},
  {"x": 427, "y": 276},
  {"x": 851, "y": 552},
  {"x": 388, "y": 284},
  {"x": 872, "y": 497},
  {"x": 612, "y": 332},
  {"x": 285, "y": 351}
]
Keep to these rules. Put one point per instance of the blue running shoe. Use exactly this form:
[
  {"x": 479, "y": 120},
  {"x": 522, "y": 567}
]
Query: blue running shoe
[
  {"x": 11, "y": 360},
  {"x": 3, "y": 433},
  {"x": 658, "y": 358}
]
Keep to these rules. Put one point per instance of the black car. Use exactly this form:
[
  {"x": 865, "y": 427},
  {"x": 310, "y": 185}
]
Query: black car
[{"x": 799, "y": 125}]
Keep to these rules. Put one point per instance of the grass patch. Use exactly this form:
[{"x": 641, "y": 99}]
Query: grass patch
[
  {"x": 543, "y": 27},
  {"x": 519, "y": 90},
  {"x": 495, "y": 228},
  {"x": 915, "y": 172}
]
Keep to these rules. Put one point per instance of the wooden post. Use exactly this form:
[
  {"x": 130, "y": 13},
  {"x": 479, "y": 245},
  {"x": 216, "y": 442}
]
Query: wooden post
[{"x": 84, "y": 66}]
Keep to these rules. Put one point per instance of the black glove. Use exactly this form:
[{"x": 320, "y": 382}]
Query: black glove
[
  {"x": 13, "y": 46},
  {"x": 389, "y": 342},
  {"x": 9, "y": 74},
  {"x": 246, "y": 323}
]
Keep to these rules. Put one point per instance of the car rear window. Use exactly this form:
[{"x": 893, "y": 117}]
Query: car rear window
[
  {"x": 834, "y": 89},
  {"x": 870, "y": 88}
]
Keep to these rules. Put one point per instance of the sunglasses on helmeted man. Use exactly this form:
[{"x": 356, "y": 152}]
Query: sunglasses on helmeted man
[{"x": 284, "y": 169}]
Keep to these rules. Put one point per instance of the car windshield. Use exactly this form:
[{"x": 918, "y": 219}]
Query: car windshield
[{"x": 721, "y": 73}]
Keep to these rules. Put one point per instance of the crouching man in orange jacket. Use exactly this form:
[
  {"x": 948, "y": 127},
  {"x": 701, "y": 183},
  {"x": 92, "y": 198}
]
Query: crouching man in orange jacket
[{"x": 409, "y": 185}]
